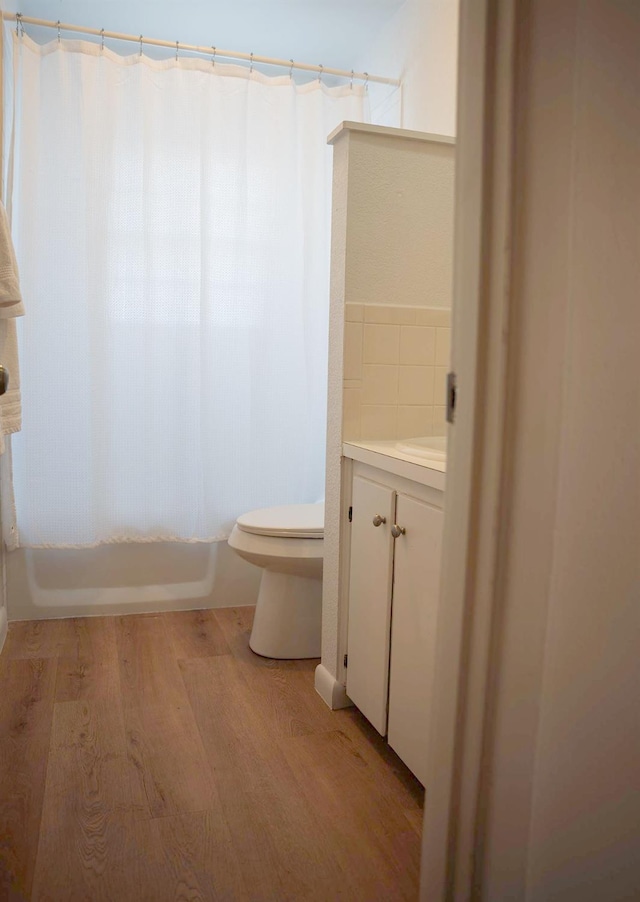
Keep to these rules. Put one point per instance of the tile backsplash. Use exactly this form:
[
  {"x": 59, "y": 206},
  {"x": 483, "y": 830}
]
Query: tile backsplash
[{"x": 395, "y": 365}]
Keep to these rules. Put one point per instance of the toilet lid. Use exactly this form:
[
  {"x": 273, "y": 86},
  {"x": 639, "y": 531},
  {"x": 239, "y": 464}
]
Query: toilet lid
[{"x": 303, "y": 521}]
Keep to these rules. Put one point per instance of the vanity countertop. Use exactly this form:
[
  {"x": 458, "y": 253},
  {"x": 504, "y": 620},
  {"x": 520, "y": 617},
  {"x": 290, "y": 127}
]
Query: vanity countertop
[{"x": 385, "y": 456}]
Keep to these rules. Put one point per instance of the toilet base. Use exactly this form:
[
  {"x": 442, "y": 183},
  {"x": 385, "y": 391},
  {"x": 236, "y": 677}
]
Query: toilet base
[{"x": 288, "y": 619}]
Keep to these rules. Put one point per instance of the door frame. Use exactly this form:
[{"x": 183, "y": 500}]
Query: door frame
[
  {"x": 4, "y": 615},
  {"x": 476, "y": 482}
]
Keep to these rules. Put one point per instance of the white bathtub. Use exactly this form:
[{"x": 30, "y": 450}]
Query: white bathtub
[{"x": 46, "y": 583}]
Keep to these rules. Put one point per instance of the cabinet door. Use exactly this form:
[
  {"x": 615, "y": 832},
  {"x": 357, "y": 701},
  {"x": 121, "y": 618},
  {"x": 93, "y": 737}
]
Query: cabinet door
[
  {"x": 415, "y": 601},
  {"x": 370, "y": 600}
]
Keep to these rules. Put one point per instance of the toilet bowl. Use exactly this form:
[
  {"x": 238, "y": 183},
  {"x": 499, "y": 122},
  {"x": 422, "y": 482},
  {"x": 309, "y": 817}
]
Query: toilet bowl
[{"x": 287, "y": 542}]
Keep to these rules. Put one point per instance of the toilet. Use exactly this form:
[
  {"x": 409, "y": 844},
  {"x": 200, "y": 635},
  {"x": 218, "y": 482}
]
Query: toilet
[{"x": 287, "y": 542}]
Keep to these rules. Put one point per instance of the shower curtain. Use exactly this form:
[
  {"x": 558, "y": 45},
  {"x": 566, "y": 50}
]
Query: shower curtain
[{"x": 171, "y": 220}]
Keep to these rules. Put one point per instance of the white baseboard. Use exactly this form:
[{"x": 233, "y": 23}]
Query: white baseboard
[
  {"x": 3, "y": 626},
  {"x": 330, "y": 690}
]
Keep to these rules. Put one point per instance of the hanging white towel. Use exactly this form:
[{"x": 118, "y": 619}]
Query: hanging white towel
[
  {"x": 10, "y": 306},
  {"x": 10, "y": 296}
]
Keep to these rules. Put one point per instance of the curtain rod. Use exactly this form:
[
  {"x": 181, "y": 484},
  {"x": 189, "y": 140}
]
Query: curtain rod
[{"x": 193, "y": 48}]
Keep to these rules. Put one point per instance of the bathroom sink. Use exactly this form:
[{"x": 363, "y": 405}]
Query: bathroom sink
[{"x": 430, "y": 447}]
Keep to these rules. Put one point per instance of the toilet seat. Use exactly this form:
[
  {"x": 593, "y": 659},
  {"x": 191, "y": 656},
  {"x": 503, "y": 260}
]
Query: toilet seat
[{"x": 292, "y": 521}]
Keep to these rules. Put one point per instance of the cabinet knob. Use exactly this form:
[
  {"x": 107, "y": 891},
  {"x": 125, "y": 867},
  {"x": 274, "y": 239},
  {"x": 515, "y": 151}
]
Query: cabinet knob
[
  {"x": 397, "y": 531},
  {"x": 378, "y": 520}
]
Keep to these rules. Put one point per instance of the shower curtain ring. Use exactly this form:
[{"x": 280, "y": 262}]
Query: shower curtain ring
[
  {"x": 351, "y": 85},
  {"x": 213, "y": 58},
  {"x": 177, "y": 48},
  {"x": 251, "y": 66},
  {"x": 140, "y": 45},
  {"x": 102, "y": 39},
  {"x": 19, "y": 25},
  {"x": 291, "y": 69},
  {"x": 320, "y": 74},
  {"x": 366, "y": 81},
  {"x": 58, "y": 23}
]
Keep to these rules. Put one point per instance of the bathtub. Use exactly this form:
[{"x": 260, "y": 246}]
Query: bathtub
[{"x": 47, "y": 583}]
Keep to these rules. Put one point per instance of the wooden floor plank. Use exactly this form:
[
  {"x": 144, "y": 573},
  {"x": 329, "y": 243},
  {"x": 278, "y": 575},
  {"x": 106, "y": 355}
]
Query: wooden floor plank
[
  {"x": 189, "y": 857},
  {"x": 37, "y": 639},
  {"x": 26, "y": 710},
  {"x": 87, "y": 825},
  {"x": 149, "y": 673},
  {"x": 392, "y": 776},
  {"x": 169, "y": 771},
  {"x": 285, "y": 696},
  {"x": 155, "y": 757},
  {"x": 88, "y": 663},
  {"x": 272, "y": 826},
  {"x": 281, "y": 689},
  {"x": 236, "y": 624},
  {"x": 378, "y": 842},
  {"x": 195, "y": 634}
]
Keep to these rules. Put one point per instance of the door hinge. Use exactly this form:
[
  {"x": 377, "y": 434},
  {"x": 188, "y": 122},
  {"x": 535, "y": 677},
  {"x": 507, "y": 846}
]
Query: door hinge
[
  {"x": 350, "y": 515},
  {"x": 451, "y": 397},
  {"x": 345, "y": 659}
]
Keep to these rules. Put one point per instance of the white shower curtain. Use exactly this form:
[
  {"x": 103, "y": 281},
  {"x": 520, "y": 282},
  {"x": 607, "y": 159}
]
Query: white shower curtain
[{"x": 171, "y": 221}]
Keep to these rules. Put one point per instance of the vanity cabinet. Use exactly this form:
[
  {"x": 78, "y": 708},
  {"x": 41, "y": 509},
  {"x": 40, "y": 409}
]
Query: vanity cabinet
[
  {"x": 389, "y": 333},
  {"x": 370, "y": 590},
  {"x": 416, "y": 586},
  {"x": 394, "y": 575}
]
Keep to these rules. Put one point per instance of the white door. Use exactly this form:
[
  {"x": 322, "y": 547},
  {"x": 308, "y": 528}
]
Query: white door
[
  {"x": 370, "y": 599},
  {"x": 413, "y": 632}
]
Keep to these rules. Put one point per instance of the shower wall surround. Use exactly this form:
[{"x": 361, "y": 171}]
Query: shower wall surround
[{"x": 395, "y": 366}]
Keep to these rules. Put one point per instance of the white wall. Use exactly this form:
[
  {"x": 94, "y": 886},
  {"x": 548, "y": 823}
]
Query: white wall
[
  {"x": 313, "y": 31},
  {"x": 419, "y": 45},
  {"x": 394, "y": 181},
  {"x": 559, "y": 810}
]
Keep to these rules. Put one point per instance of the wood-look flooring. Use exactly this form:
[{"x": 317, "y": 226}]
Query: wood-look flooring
[{"x": 155, "y": 757}]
